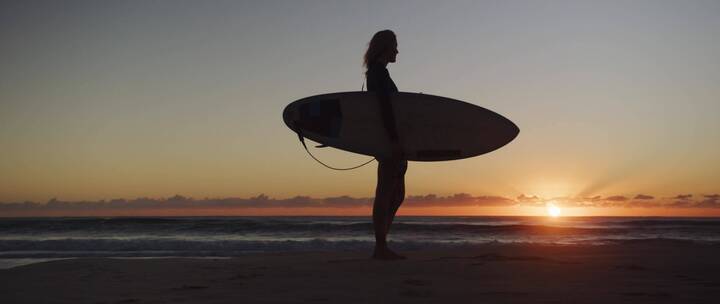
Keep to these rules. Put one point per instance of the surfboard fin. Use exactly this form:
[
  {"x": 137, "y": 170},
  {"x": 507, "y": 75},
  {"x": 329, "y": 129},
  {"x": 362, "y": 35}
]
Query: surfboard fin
[{"x": 302, "y": 140}]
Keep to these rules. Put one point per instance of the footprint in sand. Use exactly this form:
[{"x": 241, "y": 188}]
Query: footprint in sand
[
  {"x": 190, "y": 287},
  {"x": 492, "y": 257},
  {"x": 647, "y": 294},
  {"x": 416, "y": 293},
  {"x": 316, "y": 299},
  {"x": 633, "y": 267},
  {"x": 415, "y": 282},
  {"x": 241, "y": 276}
]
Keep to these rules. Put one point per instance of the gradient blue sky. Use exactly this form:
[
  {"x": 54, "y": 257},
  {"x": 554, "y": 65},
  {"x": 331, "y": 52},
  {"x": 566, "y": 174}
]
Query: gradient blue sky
[{"x": 107, "y": 99}]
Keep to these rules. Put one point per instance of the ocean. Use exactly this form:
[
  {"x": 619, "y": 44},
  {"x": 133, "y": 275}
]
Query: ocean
[{"x": 29, "y": 240}]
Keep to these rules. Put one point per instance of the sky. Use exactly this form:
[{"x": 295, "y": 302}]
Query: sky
[{"x": 103, "y": 100}]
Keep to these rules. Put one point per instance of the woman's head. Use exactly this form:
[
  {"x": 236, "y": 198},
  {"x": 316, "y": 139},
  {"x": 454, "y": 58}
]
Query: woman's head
[{"x": 381, "y": 49}]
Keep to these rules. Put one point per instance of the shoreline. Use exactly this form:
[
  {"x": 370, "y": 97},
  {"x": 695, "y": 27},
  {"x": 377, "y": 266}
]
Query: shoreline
[
  {"x": 8, "y": 261},
  {"x": 651, "y": 272}
]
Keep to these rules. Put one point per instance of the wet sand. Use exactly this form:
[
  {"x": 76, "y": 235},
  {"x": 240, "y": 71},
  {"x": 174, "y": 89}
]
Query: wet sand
[{"x": 645, "y": 272}]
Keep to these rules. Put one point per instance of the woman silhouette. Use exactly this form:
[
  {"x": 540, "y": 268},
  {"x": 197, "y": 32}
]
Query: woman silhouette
[{"x": 390, "y": 190}]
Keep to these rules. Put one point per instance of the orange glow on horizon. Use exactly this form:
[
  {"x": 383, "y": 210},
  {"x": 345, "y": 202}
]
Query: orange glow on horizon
[{"x": 366, "y": 211}]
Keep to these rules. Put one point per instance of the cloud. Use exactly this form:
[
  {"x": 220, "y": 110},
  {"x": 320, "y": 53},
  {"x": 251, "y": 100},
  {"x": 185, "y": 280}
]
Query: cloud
[
  {"x": 531, "y": 200},
  {"x": 640, "y": 201},
  {"x": 175, "y": 202},
  {"x": 643, "y": 197},
  {"x": 525, "y": 198},
  {"x": 260, "y": 201},
  {"x": 681, "y": 204},
  {"x": 457, "y": 200},
  {"x": 616, "y": 198},
  {"x": 347, "y": 202},
  {"x": 710, "y": 201},
  {"x": 682, "y": 201},
  {"x": 419, "y": 201}
]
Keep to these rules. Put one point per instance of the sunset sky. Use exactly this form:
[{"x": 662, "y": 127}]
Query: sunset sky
[{"x": 617, "y": 101}]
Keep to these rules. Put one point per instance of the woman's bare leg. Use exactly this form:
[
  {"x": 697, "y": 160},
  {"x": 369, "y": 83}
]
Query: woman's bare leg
[
  {"x": 397, "y": 199},
  {"x": 398, "y": 191},
  {"x": 385, "y": 194},
  {"x": 380, "y": 215}
]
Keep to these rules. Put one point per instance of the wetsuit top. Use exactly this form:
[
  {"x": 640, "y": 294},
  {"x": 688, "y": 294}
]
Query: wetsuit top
[{"x": 378, "y": 80}]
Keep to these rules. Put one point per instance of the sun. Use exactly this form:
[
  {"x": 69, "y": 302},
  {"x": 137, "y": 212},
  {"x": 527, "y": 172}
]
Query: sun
[{"x": 553, "y": 210}]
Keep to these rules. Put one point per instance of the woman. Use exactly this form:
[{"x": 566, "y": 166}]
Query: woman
[{"x": 390, "y": 190}]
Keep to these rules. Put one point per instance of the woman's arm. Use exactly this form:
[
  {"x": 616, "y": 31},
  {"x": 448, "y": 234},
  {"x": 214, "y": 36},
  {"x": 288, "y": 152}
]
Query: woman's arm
[
  {"x": 386, "y": 109},
  {"x": 388, "y": 116}
]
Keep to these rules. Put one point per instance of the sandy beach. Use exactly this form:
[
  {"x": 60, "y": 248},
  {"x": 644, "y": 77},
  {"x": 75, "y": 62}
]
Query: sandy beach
[{"x": 646, "y": 272}]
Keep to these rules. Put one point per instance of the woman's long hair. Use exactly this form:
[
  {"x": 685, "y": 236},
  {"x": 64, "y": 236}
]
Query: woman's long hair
[{"x": 380, "y": 43}]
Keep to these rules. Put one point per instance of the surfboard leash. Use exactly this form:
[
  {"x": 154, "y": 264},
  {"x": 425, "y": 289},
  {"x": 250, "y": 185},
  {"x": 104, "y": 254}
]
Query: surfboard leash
[{"x": 302, "y": 140}]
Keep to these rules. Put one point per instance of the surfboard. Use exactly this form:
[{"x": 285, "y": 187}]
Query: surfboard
[{"x": 431, "y": 128}]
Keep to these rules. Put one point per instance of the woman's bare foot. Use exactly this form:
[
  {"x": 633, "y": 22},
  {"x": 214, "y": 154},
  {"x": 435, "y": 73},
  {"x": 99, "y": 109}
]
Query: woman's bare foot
[{"x": 386, "y": 254}]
